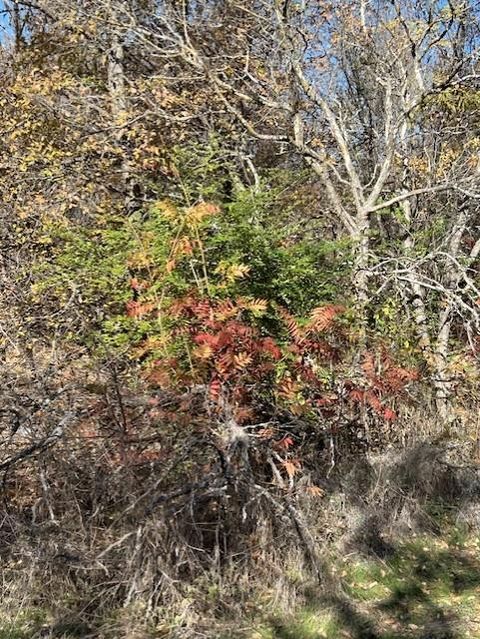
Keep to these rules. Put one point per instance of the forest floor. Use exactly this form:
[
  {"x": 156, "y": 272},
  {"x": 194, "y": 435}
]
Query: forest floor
[{"x": 424, "y": 587}]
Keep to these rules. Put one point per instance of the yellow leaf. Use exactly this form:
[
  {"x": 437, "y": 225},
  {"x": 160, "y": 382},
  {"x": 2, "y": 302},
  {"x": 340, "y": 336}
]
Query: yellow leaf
[
  {"x": 256, "y": 306},
  {"x": 203, "y": 352},
  {"x": 199, "y": 212},
  {"x": 242, "y": 360},
  {"x": 139, "y": 259},
  {"x": 238, "y": 271},
  {"x": 167, "y": 209}
]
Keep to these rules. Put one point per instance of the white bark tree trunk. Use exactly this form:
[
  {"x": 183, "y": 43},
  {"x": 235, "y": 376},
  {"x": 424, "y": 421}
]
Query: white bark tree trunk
[{"x": 117, "y": 86}]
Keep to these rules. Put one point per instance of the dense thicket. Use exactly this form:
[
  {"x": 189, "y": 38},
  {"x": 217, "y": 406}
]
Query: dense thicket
[{"x": 239, "y": 255}]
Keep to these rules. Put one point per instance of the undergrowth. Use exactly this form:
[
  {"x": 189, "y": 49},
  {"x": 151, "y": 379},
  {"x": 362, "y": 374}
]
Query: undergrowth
[{"x": 425, "y": 586}]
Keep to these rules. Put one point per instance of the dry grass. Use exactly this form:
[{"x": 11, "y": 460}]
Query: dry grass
[{"x": 148, "y": 550}]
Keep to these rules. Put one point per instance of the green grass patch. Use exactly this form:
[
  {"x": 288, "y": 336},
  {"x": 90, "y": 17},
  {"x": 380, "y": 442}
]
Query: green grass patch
[
  {"x": 427, "y": 587},
  {"x": 309, "y": 623},
  {"x": 24, "y": 625}
]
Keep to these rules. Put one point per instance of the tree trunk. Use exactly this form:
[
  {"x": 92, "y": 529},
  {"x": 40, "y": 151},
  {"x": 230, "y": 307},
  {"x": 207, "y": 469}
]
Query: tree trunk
[
  {"x": 361, "y": 274},
  {"x": 442, "y": 381},
  {"x": 119, "y": 104},
  {"x": 17, "y": 25},
  {"x": 116, "y": 75},
  {"x": 417, "y": 291}
]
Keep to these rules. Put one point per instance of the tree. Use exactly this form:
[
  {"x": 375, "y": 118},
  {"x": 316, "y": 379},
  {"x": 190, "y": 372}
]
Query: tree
[{"x": 347, "y": 88}]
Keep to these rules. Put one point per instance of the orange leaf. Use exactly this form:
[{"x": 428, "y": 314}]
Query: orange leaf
[
  {"x": 357, "y": 395},
  {"x": 328, "y": 400},
  {"x": 271, "y": 348},
  {"x": 266, "y": 433},
  {"x": 284, "y": 443},
  {"x": 389, "y": 414},
  {"x": 137, "y": 309},
  {"x": 159, "y": 377},
  {"x": 242, "y": 360},
  {"x": 316, "y": 491},
  {"x": 288, "y": 389},
  {"x": 372, "y": 400},
  {"x": 225, "y": 310},
  {"x": 290, "y": 468},
  {"x": 322, "y": 317}
]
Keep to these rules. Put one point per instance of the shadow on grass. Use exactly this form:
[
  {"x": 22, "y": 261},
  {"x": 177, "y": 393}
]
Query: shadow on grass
[{"x": 424, "y": 590}]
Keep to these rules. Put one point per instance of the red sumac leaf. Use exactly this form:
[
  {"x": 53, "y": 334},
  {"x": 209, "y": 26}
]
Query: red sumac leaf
[
  {"x": 389, "y": 414},
  {"x": 215, "y": 389}
]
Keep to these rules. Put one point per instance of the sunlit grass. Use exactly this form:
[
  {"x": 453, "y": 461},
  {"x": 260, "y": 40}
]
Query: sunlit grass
[
  {"x": 428, "y": 587},
  {"x": 309, "y": 623},
  {"x": 25, "y": 624}
]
